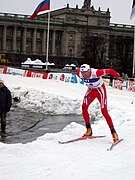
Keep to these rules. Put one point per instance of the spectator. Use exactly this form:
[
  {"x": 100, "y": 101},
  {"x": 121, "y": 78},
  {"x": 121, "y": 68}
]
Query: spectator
[
  {"x": 5, "y": 104},
  {"x": 124, "y": 76},
  {"x": 111, "y": 80}
]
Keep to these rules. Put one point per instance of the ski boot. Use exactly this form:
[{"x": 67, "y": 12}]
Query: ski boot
[
  {"x": 114, "y": 135},
  {"x": 89, "y": 130}
]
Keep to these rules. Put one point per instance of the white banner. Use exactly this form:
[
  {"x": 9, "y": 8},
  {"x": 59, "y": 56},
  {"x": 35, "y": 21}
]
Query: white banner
[{"x": 14, "y": 71}]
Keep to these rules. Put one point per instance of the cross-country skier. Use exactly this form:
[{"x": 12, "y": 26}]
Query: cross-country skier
[{"x": 96, "y": 89}]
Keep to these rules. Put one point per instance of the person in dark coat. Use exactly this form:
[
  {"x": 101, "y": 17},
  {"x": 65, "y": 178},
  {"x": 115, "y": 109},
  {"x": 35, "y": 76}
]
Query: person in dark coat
[{"x": 5, "y": 104}]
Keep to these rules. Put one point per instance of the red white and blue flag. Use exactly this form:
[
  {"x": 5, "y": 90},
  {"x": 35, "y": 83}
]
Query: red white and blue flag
[
  {"x": 133, "y": 10},
  {"x": 44, "y": 5}
]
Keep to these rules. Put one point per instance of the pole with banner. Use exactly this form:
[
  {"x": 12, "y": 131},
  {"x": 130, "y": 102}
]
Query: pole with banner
[{"x": 44, "y": 5}]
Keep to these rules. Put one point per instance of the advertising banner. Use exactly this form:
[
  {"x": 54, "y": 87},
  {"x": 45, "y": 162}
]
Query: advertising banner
[
  {"x": 66, "y": 77},
  {"x": 34, "y": 74},
  {"x": 131, "y": 86},
  {"x": 117, "y": 84},
  {"x": 3, "y": 69},
  {"x": 14, "y": 71}
]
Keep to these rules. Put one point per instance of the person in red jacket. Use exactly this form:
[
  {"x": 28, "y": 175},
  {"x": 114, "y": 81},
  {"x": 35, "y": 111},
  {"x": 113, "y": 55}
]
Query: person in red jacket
[{"x": 96, "y": 89}]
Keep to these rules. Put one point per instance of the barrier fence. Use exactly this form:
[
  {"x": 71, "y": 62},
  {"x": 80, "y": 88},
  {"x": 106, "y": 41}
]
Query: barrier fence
[{"x": 66, "y": 77}]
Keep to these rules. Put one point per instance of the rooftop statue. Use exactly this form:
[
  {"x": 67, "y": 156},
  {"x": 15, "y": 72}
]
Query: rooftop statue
[{"x": 86, "y": 4}]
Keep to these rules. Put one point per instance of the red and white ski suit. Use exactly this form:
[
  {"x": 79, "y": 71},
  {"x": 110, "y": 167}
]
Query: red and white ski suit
[{"x": 96, "y": 89}]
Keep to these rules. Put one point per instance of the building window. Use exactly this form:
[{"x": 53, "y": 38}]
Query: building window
[
  {"x": 0, "y": 44},
  {"x": 29, "y": 47},
  {"x": 50, "y": 36},
  {"x": 38, "y": 47},
  {"x": 9, "y": 45},
  {"x": 1, "y": 31},
  {"x": 18, "y": 33},
  {"x": 58, "y": 50},
  {"x": 70, "y": 51},
  {"x": 58, "y": 36},
  {"x": 18, "y": 46},
  {"x": 38, "y": 35},
  {"x": 71, "y": 36},
  {"x": 29, "y": 34},
  {"x": 9, "y": 33},
  {"x": 1, "y": 35}
]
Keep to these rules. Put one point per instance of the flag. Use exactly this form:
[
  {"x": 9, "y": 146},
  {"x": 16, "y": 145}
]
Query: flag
[
  {"x": 44, "y": 5},
  {"x": 133, "y": 10}
]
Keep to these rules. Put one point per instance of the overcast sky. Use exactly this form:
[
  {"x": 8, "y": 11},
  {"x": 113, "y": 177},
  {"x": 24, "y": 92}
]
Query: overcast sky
[{"x": 120, "y": 9}]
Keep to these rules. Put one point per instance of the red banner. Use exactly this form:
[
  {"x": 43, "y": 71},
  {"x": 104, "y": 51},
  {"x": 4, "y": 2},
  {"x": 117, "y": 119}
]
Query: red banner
[
  {"x": 34, "y": 74},
  {"x": 3, "y": 69}
]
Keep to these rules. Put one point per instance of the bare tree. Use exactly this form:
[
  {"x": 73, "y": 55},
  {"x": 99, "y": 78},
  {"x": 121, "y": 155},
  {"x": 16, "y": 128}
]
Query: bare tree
[
  {"x": 121, "y": 54},
  {"x": 94, "y": 50}
]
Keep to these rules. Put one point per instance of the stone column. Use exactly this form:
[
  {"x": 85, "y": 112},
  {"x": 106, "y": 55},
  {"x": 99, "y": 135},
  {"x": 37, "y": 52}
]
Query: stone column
[
  {"x": 4, "y": 37},
  {"x": 14, "y": 39},
  {"x": 65, "y": 43},
  {"x": 76, "y": 44},
  {"x": 23, "y": 49},
  {"x": 44, "y": 42},
  {"x": 34, "y": 41},
  {"x": 53, "y": 42},
  {"x": 107, "y": 45}
]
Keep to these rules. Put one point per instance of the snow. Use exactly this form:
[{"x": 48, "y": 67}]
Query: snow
[
  {"x": 36, "y": 62},
  {"x": 46, "y": 159}
]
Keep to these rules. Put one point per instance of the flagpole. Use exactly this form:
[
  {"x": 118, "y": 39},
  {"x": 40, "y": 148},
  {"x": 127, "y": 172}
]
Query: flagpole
[
  {"x": 47, "y": 47},
  {"x": 44, "y": 5}
]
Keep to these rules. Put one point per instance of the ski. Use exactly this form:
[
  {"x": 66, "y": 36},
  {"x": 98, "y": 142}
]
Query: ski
[
  {"x": 80, "y": 138},
  {"x": 114, "y": 144}
]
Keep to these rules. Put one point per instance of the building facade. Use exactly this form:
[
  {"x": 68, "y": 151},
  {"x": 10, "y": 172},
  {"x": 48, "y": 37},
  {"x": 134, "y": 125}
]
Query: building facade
[{"x": 21, "y": 37}]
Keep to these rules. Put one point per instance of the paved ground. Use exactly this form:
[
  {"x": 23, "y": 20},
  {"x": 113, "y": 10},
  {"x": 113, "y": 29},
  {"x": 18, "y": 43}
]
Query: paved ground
[{"x": 25, "y": 126}]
